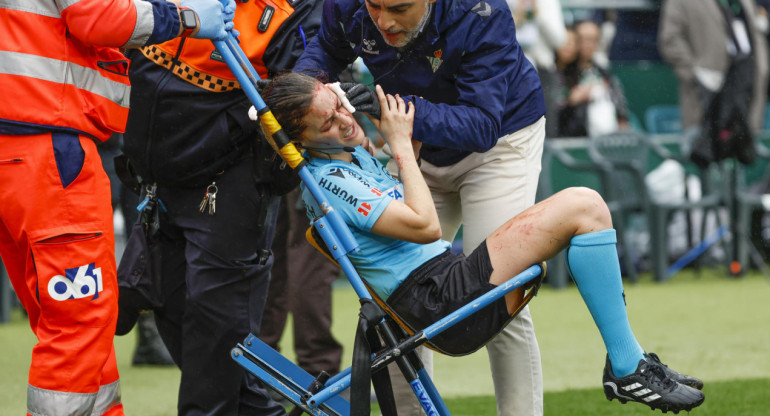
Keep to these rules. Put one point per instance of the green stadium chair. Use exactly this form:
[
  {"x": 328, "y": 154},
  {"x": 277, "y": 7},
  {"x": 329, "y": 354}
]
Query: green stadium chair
[
  {"x": 555, "y": 151},
  {"x": 663, "y": 119},
  {"x": 630, "y": 155}
]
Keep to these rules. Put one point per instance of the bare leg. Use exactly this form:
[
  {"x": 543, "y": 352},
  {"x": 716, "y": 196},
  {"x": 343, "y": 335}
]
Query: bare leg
[
  {"x": 576, "y": 216},
  {"x": 541, "y": 231}
]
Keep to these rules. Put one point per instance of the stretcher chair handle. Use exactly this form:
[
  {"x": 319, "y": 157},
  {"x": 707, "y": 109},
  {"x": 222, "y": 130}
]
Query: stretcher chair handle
[{"x": 244, "y": 72}]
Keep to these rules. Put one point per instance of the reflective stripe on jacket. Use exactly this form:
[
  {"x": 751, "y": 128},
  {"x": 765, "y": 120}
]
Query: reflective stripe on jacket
[
  {"x": 58, "y": 403},
  {"x": 196, "y": 60},
  {"x": 59, "y": 62}
]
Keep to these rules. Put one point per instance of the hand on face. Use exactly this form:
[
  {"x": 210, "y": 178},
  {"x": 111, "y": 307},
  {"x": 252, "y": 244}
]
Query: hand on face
[{"x": 396, "y": 121}]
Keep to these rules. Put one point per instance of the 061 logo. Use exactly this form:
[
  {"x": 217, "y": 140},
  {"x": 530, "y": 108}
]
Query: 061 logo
[{"x": 77, "y": 283}]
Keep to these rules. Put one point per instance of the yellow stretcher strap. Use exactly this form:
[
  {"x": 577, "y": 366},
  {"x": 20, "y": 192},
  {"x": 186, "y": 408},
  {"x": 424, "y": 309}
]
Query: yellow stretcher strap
[
  {"x": 291, "y": 155},
  {"x": 268, "y": 119},
  {"x": 288, "y": 151}
]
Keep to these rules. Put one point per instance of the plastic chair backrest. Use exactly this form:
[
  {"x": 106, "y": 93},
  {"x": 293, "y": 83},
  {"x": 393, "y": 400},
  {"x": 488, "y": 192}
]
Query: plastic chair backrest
[
  {"x": 663, "y": 119},
  {"x": 628, "y": 152}
]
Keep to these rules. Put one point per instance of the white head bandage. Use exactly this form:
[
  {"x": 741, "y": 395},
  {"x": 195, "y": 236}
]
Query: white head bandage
[{"x": 335, "y": 86}]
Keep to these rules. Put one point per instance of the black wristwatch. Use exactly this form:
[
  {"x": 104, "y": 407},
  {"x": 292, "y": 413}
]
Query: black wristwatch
[{"x": 189, "y": 21}]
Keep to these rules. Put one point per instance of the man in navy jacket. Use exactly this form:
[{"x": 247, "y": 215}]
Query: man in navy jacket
[{"x": 480, "y": 116}]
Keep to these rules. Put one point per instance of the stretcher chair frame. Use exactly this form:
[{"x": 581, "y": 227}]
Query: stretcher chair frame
[{"x": 317, "y": 396}]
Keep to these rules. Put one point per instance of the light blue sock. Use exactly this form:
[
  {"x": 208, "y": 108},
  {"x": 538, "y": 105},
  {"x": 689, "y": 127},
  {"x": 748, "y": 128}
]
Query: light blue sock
[{"x": 593, "y": 263}]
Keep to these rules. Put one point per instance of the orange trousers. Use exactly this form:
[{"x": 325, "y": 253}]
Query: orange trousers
[{"x": 58, "y": 246}]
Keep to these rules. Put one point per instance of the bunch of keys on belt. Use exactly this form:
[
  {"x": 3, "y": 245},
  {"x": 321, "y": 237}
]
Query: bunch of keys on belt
[{"x": 209, "y": 199}]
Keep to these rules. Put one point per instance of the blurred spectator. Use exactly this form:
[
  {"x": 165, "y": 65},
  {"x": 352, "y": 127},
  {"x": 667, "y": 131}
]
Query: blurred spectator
[
  {"x": 595, "y": 103},
  {"x": 605, "y": 18},
  {"x": 557, "y": 91},
  {"x": 761, "y": 20},
  {"x": 540, "y": 31},
  {"x": 694, "y": 39},
  {"x": 607, "y": 21},
  {"x": 567, "y": 54},
  {"x": 636, "y": 35}
]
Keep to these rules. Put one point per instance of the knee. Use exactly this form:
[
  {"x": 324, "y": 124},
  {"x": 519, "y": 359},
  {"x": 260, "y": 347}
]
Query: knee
[{"x": 590, "y": 206}]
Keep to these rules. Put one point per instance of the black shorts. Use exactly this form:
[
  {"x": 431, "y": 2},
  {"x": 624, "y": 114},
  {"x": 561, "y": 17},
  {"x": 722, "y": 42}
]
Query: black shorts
[{"x": 444, "y": 284}]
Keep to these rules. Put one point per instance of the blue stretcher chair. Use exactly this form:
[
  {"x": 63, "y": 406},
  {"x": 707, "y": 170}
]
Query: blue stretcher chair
[{"x": 321, "y": 395}]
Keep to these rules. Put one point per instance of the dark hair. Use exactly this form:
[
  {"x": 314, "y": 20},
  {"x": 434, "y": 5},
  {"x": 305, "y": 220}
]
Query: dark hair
[{"x": 289, "y": 97}]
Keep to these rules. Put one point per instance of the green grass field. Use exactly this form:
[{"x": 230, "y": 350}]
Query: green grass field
[{"x": 707, "y": 325}]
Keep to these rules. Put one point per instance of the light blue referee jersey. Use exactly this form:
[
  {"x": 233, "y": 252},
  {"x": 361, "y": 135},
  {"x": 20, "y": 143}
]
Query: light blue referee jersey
[{"x": 360, "y": 192}]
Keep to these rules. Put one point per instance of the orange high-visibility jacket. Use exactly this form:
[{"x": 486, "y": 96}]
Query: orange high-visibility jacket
[
  {"x": 196, "y": 60},
  {"x": 60, "y": 66}
]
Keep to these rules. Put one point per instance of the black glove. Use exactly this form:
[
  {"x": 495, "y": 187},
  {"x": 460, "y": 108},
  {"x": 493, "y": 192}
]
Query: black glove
[{"x": 362, "y": 98}]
